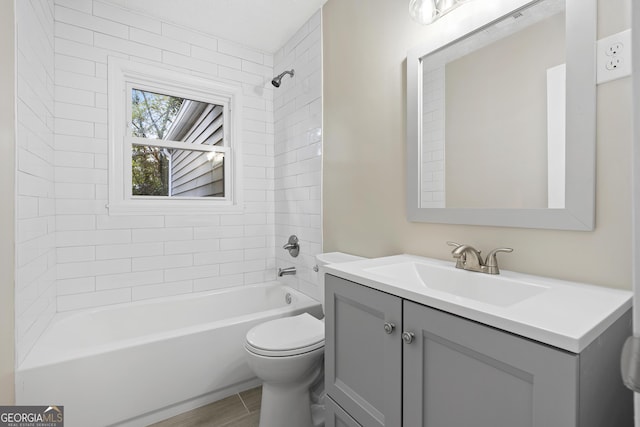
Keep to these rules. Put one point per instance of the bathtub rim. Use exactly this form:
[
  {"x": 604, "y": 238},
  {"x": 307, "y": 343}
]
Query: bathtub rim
[{"x": 31, "y": 361}]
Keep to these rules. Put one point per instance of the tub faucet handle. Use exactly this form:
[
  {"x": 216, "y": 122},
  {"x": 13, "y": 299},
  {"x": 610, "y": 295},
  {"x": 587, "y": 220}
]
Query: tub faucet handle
[{"x": 292, "y": 246}]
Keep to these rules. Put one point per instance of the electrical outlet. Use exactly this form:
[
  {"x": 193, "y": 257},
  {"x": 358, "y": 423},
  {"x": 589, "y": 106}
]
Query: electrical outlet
[
  {"x": 614, "y": 57},
  {"x": 614, "y": 49},
  {"x": 613, "y": 63}
]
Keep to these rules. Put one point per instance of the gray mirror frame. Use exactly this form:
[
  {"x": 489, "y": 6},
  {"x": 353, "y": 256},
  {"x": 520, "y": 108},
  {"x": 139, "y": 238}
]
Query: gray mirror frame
[{"x": 579, "y": 211}]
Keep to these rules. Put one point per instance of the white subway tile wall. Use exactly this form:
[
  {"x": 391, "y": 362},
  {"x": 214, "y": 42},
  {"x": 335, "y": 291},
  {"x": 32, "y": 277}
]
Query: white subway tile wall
[
  {"x": 298, "y": 153},
  {"x": 35, "y": 295},
  {"x": 71, "y": 253},
  {"x": 106, "y": 259}
]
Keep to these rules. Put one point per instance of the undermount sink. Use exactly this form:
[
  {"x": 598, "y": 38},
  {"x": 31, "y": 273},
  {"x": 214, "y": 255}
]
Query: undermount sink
[{"x": 490, "y": 289}]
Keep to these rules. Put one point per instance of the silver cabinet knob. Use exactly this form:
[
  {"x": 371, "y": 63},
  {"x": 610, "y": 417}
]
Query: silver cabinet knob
[
  {"x": 389, "y": 327},
  {"x": 408, "y": 337}
]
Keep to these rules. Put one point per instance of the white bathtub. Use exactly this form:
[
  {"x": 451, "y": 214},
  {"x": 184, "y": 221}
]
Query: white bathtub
[{"x": 136, "y": 363}]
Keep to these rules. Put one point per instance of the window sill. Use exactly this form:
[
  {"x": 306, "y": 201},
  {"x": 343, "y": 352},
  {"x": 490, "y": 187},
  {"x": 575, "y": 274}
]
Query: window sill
[{"x": 172, "y": 207}]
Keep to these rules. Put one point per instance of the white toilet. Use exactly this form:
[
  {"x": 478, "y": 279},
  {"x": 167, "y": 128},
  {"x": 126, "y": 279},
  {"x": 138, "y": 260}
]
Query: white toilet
[{"x": 287, "y": 354}]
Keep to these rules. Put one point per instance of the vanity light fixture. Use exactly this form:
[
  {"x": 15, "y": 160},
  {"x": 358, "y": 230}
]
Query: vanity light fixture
[{"x": 427, "y": 11}]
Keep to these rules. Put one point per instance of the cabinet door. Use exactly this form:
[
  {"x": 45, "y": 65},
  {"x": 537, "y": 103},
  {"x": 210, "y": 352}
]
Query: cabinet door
[
  {"x": 461, "y": 373},
  {"x": 336, "y": 417},
  {"x": 363, "y": 363}
]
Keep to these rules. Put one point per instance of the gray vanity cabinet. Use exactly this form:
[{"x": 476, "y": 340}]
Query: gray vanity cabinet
[
  {"x": 459, "y": 373},
  {"x": 363, "y": 363},
  {"x": 335, "y": 416}
]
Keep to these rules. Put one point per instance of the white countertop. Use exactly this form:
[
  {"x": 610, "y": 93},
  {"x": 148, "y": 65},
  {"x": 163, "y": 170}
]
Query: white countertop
[{"x": 567, "y": 315}]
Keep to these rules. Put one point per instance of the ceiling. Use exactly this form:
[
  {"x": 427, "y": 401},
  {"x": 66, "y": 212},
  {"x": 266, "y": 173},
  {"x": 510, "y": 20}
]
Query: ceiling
[{"x": 262, "y": 24}]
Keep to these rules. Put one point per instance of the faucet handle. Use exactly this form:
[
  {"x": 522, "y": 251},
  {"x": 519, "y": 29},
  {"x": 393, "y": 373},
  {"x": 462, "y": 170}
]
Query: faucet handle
[
  {"x": 455, "y": 248},
  {"x": 292, "y": 246},
  {"x": 492, "y": 261},
  {"x": 460, "y": 258}
]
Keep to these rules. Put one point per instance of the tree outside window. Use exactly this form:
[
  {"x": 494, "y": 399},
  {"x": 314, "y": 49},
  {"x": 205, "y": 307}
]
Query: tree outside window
[
  {"x": 161, "y": 170},
  {"x": 152, "y": 115}
]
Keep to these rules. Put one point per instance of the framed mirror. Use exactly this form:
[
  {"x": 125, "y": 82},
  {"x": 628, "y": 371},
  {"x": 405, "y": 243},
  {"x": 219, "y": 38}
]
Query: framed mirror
[{"x": 501, "y": 111}]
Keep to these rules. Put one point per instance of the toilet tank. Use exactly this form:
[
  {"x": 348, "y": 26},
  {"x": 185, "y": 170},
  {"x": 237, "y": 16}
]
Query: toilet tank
[{"x": 324, "y": 259}]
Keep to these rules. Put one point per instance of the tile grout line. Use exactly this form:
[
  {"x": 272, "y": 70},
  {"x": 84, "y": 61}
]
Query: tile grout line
[
  {"x": 243, "y": 403},
  {"x": 240, "y": 417}
]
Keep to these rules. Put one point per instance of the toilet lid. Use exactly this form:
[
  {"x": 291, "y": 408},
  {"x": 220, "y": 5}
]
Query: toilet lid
[{"x": 296, "y": 334}]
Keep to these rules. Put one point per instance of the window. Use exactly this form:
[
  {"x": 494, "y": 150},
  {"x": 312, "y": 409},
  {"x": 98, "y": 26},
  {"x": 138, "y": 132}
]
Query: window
[
  {"x": 170, "y": 165},
  {"x": 173, "y": 142}
]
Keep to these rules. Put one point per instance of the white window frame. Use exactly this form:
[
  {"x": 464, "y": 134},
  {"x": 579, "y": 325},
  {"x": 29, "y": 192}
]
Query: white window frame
[{"x": 125, "y": 75}]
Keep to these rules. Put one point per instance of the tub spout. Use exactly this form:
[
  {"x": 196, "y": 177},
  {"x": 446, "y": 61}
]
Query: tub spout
[{"x": 286, "y": 271}]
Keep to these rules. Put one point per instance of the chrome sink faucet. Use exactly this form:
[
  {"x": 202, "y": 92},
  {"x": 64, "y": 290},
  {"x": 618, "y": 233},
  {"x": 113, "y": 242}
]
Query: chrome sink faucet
[{"x": 469, "y": 258}]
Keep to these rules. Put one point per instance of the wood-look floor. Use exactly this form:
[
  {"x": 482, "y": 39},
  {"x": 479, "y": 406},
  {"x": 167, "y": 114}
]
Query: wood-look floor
[{"x": 239, "y": 410}]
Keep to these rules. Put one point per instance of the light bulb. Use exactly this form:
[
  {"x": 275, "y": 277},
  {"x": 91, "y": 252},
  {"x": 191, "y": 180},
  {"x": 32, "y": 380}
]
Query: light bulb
[{"x": 422, "y": 11}]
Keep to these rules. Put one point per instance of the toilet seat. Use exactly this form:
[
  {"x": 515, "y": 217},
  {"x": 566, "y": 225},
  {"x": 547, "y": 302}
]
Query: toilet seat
[{"x": 287, "y": 336}]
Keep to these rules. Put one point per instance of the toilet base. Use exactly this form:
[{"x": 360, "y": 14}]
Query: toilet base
[
  {"x": 285, "y": 406},
  {"x": 286, "y": 400},
  {"x": 288, "y": 404}
]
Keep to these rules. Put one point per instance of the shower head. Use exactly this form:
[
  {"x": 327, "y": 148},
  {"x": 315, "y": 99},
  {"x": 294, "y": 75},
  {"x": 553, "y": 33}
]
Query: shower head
[{"x": 278, "y": 79}]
